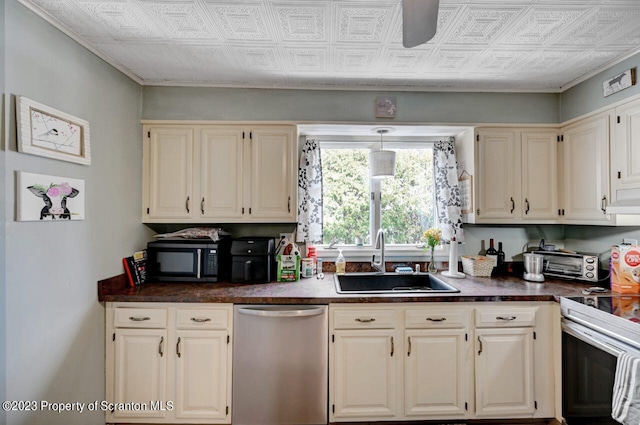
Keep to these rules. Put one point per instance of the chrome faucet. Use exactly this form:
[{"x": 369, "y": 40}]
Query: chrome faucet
[{"x": 380, "y": 266}]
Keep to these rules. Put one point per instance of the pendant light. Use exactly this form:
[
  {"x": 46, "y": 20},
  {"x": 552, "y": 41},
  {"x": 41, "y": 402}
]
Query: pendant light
[{"x": 382, "y": 163}]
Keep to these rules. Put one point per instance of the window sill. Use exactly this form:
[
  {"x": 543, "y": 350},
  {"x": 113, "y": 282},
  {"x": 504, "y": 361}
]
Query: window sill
[{"x": 392, "y": 253}]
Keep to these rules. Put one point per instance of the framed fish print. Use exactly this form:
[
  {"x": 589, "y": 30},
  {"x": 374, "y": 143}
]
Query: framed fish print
[{"x": 51, "y": 133}]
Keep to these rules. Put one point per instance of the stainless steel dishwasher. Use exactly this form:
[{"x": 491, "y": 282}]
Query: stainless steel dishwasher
[{"x": 280, "y": 364}]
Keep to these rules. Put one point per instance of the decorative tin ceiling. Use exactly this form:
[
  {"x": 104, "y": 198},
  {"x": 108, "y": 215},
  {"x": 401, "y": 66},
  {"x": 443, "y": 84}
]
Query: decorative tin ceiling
[{"x": 493, "y": 45}]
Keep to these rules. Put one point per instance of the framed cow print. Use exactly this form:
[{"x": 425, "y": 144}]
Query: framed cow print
[
  {"x": 45, "y": 131},
  {"x": 49, "y": 198}
]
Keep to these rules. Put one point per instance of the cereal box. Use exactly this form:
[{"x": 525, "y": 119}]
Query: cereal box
[{"x": 625, "y": 269}]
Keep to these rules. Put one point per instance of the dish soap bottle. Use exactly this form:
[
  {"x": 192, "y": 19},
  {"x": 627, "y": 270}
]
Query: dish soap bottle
[{"x": 341, "y": 263}]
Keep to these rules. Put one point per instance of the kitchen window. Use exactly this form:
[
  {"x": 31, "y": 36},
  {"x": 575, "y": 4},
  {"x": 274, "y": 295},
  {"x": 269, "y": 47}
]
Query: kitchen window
[{"x": 355, "y": 206}]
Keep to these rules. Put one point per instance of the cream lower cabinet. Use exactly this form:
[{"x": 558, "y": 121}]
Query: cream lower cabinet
[
  {"x": 454, "y": 361},
  {"x": 437, "y": 352},
  {"x": 219, "y": 173},
  {"x": 168, "y": 363},
  {"x": 364, "y": 374}
]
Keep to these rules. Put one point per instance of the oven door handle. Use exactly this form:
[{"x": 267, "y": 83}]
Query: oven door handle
[{"x": 591, "y": 337}]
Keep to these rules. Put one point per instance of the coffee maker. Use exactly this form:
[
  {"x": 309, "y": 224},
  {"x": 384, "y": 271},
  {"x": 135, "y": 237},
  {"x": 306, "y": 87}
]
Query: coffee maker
[{"x": 533, "y": 267}]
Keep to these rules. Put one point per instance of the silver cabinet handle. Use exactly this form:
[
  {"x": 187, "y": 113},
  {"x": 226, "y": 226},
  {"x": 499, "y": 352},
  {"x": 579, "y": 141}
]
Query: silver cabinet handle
[
  {"x": 198, "y": 320},
  {"x": 365, "y": 320},
  {"x": 513, "y": 205},
  {"x": 480, "y": 348},
  {"x": 409, "y": 344},
  {"x": 139, "y": 319},
  {"x": 392, "y": 347},
  {"x": 160, "y": 351},
  {"x": 178, "y": 347},
  {"x": 526, "y": 210},
  {"x": 506, "y": 319},
  {"x": 296, "y": 311},
  {"x": 202, "y": 205},
  {"x": 187, "y": 205},
  {"x": 603, "y": 207},
  {"x": 439, "y": 319}
]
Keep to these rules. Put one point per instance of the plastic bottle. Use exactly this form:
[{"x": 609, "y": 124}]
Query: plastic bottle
[{"x": 341, "y": 264}]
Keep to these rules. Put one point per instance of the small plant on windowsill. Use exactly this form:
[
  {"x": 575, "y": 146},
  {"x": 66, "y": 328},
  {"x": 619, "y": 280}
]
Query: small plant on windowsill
[{"x": 432, "y": 236}]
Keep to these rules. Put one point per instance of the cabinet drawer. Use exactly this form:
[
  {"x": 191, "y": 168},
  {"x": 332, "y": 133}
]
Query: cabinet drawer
[
  {"x": 444, "y": 318},
  {"x": 365, "y": 318},
  {"x": 202, "y": 319},
  {"x": 506, "y": 317},
  {"x": 140, "y": 318}
]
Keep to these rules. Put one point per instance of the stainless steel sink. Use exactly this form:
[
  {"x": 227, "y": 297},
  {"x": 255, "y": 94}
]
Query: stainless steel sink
[{"x": 390, "y": 283}]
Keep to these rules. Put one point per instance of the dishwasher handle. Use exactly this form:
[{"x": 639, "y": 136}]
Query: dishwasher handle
[{"x": 274, "y": 312}]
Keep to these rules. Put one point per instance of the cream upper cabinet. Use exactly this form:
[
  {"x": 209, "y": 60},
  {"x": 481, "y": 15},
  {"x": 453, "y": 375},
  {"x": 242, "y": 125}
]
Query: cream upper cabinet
[
  {"x": 167, "y": 173},
  {"x": 539, "y": 199},
  {"x": 219, "y": 173},
  {"x": 586, "y": 171},
  {"x": 498, "y": 167},
  {"x": 625, "y": 148},
  {"x": 516, "y": 175},
  {"x": 222, "y": 172},
  {"x": 274, "y": 178}
]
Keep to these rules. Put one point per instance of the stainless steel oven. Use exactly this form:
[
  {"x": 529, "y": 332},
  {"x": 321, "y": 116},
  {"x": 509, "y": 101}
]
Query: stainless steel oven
[{"x": 596, "y": 329}]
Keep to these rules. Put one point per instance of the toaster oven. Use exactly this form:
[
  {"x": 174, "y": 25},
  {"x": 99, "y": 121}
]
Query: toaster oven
[{"x": 570, "y": 265}]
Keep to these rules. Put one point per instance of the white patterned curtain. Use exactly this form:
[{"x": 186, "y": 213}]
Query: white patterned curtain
[
  {"x": 445, "y": 167},
  {"x": 310, "y": 194}
]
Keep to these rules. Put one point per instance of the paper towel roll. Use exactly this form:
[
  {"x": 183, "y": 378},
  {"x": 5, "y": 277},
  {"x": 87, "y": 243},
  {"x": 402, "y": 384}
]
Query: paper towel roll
[
  {"x": 453, "y": 261},
  {"x": 453, "y": 256}
]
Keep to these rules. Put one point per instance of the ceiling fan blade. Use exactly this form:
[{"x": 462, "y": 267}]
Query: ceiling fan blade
[{"x": 419, "y": 21}]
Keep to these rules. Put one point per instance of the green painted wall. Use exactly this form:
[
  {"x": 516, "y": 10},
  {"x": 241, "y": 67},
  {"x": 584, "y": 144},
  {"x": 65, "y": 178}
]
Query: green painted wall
[
  {"x": 206, "y": 103},
  {"x": 54, "y": 323},
  {"x": 588, "y": 96}
]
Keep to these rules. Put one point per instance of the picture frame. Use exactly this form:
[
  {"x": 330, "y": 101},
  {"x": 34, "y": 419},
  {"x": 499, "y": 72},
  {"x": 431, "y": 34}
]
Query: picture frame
[
  {"x": 386, "y": 107},
  {"x": 42, "y": 197},
  {"x": 619, "y": 82},
  {"x": 465, "y": 183},
  {"x": 48, "y": 132}
]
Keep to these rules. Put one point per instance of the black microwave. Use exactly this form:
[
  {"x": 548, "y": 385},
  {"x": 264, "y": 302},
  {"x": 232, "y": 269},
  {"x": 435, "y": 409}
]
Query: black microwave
[{"x": 187, "y": 260}]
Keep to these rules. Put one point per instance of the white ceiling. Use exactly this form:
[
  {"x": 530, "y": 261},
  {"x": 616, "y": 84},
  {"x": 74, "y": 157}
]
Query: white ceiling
[{"x": 489, "y": 45}]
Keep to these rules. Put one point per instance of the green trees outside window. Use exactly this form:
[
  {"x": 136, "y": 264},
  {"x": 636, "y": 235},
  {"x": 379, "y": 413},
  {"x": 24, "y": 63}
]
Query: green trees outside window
[{"x": 405, "y": 202}]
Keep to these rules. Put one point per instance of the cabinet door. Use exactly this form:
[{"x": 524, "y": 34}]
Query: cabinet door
[
  {"x": 504, "y": 372},
  {"x": 221, "y": 173},
  {"x": 434, "y": 357},
  {"x": 202, "y": 390},
  {"x": 539, "y": 175},
  {"x": 586, "y": 170},
  {"x": 496, "y": 173},
  {"x": 140, "y": 372},
  {"x": 626, "y": 152},
  {"x": 364, "y": 381},
  {"x": 170, "y": 169},
  {"x": 273, "y": 174}
]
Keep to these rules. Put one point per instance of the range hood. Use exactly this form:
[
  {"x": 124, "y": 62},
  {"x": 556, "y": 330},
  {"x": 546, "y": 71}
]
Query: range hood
[{"x": 627, "y": 202}]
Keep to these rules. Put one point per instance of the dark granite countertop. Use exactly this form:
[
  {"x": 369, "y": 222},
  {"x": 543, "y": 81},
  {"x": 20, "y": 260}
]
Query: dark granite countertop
[{"x": 316, "y": 291}]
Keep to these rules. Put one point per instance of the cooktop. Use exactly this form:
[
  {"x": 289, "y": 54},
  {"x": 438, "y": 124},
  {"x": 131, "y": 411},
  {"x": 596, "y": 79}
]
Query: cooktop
[{"x": 623, "y": 306}]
